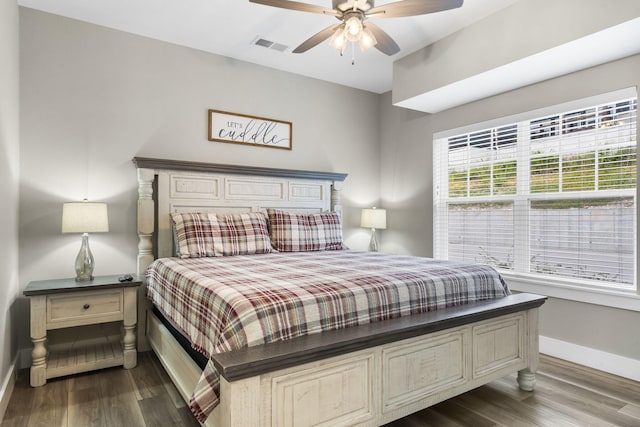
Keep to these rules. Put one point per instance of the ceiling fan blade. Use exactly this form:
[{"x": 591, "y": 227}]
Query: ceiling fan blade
[
  {"x": 294, "y": 5},
  {"x": 385, "y": 43},
  {"x": 413, "y": 8},
  {"x": 316, "y": 39}
]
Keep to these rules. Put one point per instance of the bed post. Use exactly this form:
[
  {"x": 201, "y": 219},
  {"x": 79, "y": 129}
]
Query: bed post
[
  {"x": 527, "y": 376},
  {"x": 145, "y": 247},
  {"x": 336, "y": 186}
]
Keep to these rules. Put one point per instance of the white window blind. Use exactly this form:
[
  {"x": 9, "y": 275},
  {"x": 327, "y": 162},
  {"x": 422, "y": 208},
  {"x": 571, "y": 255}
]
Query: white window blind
[{"x": 546, "y": 196}]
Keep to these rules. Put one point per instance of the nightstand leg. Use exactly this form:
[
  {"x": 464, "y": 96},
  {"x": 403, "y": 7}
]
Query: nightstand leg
[
  {"x": 38, "y": 337},
  {"x": 130, "y": 319},
  {"x": 39, "y": 364},
  {"x": 129, "y": 347}
]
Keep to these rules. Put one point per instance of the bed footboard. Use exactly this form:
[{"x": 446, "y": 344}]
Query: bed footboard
[{"x": 369, "y": 375}]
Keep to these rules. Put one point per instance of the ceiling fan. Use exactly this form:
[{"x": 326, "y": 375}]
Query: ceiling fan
[{"x": 354, "y": 27}]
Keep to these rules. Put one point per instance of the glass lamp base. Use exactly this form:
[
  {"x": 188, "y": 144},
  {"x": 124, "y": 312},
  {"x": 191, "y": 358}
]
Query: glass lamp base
[
  {"x": 373, "y": 243},
  {"x": 84, "y": 261}
]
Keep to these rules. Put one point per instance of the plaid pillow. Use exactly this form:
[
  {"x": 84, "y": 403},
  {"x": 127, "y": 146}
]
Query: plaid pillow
[
  {"x": 205, "y": 234},
  {"x": 291, "y": 232}
]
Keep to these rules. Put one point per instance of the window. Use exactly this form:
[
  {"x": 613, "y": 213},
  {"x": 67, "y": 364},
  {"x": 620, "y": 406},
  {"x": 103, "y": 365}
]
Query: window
[{"x": 551, "y": 197}]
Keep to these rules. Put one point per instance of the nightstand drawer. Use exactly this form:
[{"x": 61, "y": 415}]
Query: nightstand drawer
[{"x": 82, "y": 308}]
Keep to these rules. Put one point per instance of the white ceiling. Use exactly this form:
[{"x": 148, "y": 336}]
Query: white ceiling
[{"x": 229, "y": 28}]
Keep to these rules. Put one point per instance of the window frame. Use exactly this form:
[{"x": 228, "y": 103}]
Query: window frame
[{"x": 554, "y": 286}]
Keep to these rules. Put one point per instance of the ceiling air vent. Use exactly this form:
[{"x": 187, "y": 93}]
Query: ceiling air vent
[{"x": 259, "y": 41}]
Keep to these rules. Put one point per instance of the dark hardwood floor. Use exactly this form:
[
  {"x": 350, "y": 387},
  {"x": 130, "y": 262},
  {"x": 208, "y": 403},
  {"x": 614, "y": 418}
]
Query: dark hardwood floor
[{"x": 566, "y": 395}]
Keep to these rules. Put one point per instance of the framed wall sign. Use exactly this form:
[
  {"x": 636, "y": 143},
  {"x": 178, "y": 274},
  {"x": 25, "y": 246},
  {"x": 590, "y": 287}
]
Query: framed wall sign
[{"x": 249, "y": 130}]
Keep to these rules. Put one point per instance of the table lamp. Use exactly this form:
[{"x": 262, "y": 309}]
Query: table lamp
[
  {"x": 84, "y": 217},
  {"x": 374, "y": 219}
]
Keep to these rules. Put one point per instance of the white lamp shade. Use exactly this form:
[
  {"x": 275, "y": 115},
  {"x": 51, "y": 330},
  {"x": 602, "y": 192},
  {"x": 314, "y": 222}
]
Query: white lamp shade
[
  {"x": 84, "y": 217},
  {"x": 374, "y": 218}
]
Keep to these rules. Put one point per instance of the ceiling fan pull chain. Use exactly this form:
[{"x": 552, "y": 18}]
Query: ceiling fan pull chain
[{"x": 353, "y": 53}]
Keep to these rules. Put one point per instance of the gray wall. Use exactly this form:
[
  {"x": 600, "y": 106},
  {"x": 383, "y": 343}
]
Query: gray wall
[
  {"x": 9, "y": 148},
  {"x": 406, "y": 179},
  {"x": 407, "y": 189},
  {"x": 92, "y": 98}
]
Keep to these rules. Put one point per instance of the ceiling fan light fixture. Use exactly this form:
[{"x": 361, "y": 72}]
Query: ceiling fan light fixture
[
  {"x": 367, "y": 40},
  {"x": 339, "y": 39},
  {"x": 353, "y": 29}
]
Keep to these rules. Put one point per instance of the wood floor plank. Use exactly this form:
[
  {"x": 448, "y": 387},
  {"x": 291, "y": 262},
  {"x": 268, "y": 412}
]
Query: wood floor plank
[
  {"x": 454, "y": 411},
  {"x": 532, "y": 415},
  {"x": 49, "y": 405},
  {"x": 554, "y": 415},
  {"x": 606, "y": 384},
  {"x": 159, "y": 411},
  {"x": 588, "y": 402},
  {"x": 426, "y": 418},
  {"x": 176, "y": 397},
  {"x": 494, "y": 411},
  {"x": 632, "y": 411},
  {"x": 85, "y": 401},
  {"x": 576, "y": 415},
  {"x": 173, "y": 392},
  {"x": 119, "y": 399},
  {"x": 409, "y": 422},
  {"x": 145, "y": 378}
]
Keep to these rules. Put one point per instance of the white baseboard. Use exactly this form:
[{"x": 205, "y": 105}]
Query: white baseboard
[
  {"x": 596, "y": 359},
  {"x": 8, "y": 383}
]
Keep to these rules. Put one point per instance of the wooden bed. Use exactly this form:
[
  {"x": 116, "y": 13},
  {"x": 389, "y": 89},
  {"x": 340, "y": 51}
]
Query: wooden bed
[{"x": 366, "y": 375}]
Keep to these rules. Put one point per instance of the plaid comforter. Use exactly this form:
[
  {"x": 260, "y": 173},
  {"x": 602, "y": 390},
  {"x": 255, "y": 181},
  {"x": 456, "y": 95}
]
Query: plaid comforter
[{"x": 226, "y": 303}]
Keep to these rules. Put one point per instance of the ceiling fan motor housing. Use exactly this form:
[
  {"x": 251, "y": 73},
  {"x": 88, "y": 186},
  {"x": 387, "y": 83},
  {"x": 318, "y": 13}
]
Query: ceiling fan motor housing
[{"x": 343, "y": 5}]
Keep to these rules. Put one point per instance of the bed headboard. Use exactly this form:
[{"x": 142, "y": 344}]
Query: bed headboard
[{"x": 171, "y": 186}]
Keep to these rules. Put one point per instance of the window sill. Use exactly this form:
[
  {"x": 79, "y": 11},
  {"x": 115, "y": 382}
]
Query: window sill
[{"x": 627, "y": 300}]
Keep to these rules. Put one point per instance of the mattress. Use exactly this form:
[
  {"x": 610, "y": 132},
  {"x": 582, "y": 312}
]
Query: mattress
[{"x": 225, "y": 303}]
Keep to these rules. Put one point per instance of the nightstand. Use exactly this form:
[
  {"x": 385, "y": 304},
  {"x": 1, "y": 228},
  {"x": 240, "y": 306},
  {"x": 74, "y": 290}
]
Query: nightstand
[{"x": 65, "y": 303}]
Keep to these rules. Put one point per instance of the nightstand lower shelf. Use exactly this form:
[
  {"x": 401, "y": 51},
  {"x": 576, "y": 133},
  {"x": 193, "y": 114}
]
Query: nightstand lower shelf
[{"x": 84, "y": 357}]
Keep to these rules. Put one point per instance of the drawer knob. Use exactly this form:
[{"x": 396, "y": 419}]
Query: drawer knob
[{"x": 86, "y": 306}]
